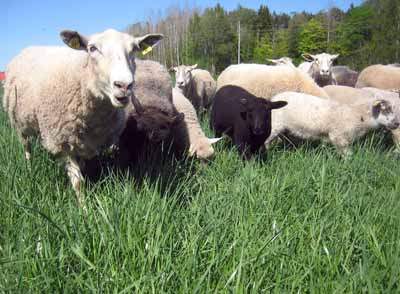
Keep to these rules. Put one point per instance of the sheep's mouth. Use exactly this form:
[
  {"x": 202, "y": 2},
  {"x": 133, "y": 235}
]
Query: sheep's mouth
[{"x": 122, "y": 100}]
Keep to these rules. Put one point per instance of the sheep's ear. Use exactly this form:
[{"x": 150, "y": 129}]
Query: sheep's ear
[
  {"x": 178, "y": 118},
  {"x": 173, "y": 69},
  {"x": 193, "y": 67},
  {"x": 277, "y": 104},
  {"x": 335, "y": 56},
  {"x": 74, "y": 40},
  {"x": 378, "y": 106},
  {"x": 274, "y": 61},
  {"x": 138, "y": 106},
  {"x": 214, "y": 140},
  {"x": 308, "y": 57},
  {"x": 147, "y": 42}
]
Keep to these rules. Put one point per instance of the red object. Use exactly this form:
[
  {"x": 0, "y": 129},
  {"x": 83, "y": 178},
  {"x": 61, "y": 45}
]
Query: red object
[{"x": 2, "y": 75}]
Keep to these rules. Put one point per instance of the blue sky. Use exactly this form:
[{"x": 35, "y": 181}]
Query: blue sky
[{"x": 38, "y": 22}]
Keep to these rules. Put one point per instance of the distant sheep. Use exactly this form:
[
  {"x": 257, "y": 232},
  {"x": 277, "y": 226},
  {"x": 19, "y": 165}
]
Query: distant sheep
[
  {"x": 344, "y": 76},
  {"x": 266, "y": 80},
  {"x": 282, "y": 61},
  {"x": 73, "y": 99},
  {"x": 196, "y": 84},
  {"x": 310, "y": 117},
  {"x": 243, "y": 117},
  {"x": 379, "y": 76},
  {"x": 188, "y": 134},
  {"x": 319, "y": 67}
]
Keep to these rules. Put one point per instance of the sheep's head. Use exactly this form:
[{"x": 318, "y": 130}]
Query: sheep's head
[
  {"x": 257, "y": 113},
  {"x": 183, "y": 75},
  {"x": 322, "y": 63},
  {"x": 382, "y": 112},
  {"x": 157, "y": 124},
  {"x": 111, "y": 61}
]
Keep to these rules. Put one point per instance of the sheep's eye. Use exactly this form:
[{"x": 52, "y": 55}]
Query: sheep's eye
[{"x": 92, "y": 48}]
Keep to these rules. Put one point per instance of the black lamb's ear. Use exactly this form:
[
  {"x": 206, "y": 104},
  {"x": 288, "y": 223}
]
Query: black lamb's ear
[{"x": 277, "y": 104}]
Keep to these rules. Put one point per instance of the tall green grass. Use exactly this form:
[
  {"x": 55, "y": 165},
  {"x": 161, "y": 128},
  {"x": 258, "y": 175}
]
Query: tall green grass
[{"x": 295, "y": 220}]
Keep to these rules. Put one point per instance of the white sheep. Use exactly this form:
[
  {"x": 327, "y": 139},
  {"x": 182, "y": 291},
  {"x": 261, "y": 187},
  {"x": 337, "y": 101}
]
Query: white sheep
[
  {"x": 188, "y": 134},
  {"x": 282, "y": 61},
  {"x": 354, "y": 96},
  {"x": 73, "y": 98},
  {"x": 385, "y": 77},
  {"x": 268, "y": 80},
  {"x": 319, "y": 67},
  {"x": 196, "y": 84},
  {"x": 310, "y": 117}
]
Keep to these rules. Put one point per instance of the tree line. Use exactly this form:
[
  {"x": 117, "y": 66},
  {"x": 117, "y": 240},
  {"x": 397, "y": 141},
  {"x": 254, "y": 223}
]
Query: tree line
[{"x": 362, "y": 35}]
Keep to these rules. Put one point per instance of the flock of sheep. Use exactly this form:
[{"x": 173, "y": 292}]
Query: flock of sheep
[{"x": 95, "y": 95}]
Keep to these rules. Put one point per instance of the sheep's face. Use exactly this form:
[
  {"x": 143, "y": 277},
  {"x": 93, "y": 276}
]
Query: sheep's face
[
  {"x": 111, "y": 61},
  {"x": 157, "y": 124},
  {"x": 183, "y": 75},
  {"x": 383, "y": 113},
  {"x": 203, "y": 148},
  {"x": 257, "y": 113},
  {"x": 322, "y": 63}
]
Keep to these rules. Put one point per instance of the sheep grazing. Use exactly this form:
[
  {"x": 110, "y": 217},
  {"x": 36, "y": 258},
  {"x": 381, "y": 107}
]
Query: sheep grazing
[
  {"x": 310, "y": 117},
  {"x": 73, "y": 98},
  {"x": 196, "y": 84},
  {"x": 354, "y": 96},
  {"x": 243, "y": 117},
  {"x": 153, "y": 89},
  {"x": 266, "y": 80},
  {"x": 282, "y": 61},
  {"x": 188, "y": 134},
  {"x": 385, "y": 77},
  {"x": 319, "y": 67},
  {"x": 344, "y": 76}
]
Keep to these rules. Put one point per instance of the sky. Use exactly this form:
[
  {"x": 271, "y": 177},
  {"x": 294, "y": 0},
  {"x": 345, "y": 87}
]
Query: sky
[{"x": 38, "y": 22}]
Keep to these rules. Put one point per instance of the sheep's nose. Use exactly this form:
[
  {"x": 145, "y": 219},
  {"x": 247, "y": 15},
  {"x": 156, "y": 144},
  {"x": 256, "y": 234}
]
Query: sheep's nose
[{"x": 123, "y": 86}]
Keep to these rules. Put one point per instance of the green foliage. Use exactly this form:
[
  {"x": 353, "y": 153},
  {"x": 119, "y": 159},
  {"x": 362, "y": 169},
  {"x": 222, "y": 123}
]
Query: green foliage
[
  {"x": 312, "y": 37},
  {"x": 263, "y": 50}
]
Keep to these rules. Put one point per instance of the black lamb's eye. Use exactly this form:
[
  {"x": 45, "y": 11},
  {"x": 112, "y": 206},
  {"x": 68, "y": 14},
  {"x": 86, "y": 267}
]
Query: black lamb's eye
[{"x": 92, "y": 48}]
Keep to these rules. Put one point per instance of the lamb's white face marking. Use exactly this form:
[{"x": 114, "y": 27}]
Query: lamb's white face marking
[
  {"x": 321, "y": 63},
  {"x": 111, "y": 60},
  {"x": 183, "y": 75}
]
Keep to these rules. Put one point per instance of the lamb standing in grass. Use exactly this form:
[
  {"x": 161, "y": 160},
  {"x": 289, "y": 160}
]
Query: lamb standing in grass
[
  {"x": 353, "y": 96},
  {"x": 196, "y": 84},
  {"x": 73, "y": 98},
  {"x": 267, "y": 80},
  {"x": 188, "y": 134},
  {"x": 310, "y": 117}
]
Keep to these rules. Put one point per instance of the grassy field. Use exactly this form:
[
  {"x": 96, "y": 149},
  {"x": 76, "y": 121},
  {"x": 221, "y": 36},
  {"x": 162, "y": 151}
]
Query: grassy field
[{"x": 299, "y": 220}]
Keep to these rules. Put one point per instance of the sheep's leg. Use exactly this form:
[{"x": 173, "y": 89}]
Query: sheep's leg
[
  {"x": 342, "y": 145},
  {"x": 396, "y": 138},
  {"x": 271, "y": 138},
  {"x": 27, "y": 147},
  {"x": 76, "y": 177}
]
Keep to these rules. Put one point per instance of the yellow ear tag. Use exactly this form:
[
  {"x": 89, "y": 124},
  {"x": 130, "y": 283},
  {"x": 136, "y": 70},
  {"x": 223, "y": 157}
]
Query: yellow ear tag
[
  {"x": 147, "y": 50},
  {"x": 74, "y": 43}
]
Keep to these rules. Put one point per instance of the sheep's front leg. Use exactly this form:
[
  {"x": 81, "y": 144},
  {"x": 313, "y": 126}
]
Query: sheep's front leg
[
  {"x": 342, "y": 144},
  {"x": 76, "y": 177}
]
